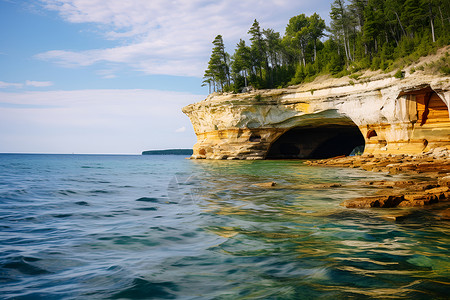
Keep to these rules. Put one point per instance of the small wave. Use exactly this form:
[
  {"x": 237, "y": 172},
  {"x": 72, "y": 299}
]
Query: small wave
[
  {"x": 92, "y": 167},
  {"x": 147, "y": 208},
  {"x": 24, "y": 265},
  {"x": 148, "y": 199},
  {"x": 67, "y": 192},
  {"x": 82, "y": 203},
  {"x": 100, "y": 192},
  {"x": 129, "y": 240},
  {"x": 143, "y": 289},
  {"x": 60, "y": 216}
]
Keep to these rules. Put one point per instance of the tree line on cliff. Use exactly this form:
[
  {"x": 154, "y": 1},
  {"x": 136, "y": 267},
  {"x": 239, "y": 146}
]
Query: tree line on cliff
[{"x": 363, "y": 34}]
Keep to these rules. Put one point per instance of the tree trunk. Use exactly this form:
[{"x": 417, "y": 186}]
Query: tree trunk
[
  {"x": 302, "y": 56},
  {"x": 345, "y": 49},
  {"x": 432, "y": 30},
  {"x": 315, "y": 50},
  {"x": 245, "y": 78},
  {"x": 442, "y": 17},
  {"x": 431, "y": 23},
  {"x": 348, "y": 47},
  {"x": 400, "y": 23}
]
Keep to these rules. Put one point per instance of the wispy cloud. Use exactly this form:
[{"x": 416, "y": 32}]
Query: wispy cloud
[
  {"x": 168, "y": 37},
  {"x": 27, "y": 83},
  {"x": 4, "y": 85},
  {"x": 38, "y": 83}
]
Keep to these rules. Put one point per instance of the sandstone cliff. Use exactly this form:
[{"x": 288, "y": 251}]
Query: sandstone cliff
[{"x": 326, "y": 118}]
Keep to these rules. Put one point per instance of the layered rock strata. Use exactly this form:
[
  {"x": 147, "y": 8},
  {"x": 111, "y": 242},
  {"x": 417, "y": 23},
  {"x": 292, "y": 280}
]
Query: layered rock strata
[{"x": 329, "y": 117}]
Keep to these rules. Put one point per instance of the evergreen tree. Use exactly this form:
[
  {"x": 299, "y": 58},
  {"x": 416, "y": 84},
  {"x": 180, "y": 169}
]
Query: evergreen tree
[
  {"x": 257, "y": 47},
  {"x": 316, "y": 30},
  {"x": 273, "y": 45},
  {"x": 373, "y": 24},
  {"x": 218, "y": 67},
  {"x": 413, "y": 15},
  {"x": 241, "y": 61},
  {"x": 297, "y": 36},
  {"x": 376, "y": 34},
  {"x": 340, "y": 23}
]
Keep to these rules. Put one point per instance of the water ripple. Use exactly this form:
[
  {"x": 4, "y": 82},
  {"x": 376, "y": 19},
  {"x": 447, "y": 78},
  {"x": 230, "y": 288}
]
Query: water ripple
[{"x": 136, "y": 227}]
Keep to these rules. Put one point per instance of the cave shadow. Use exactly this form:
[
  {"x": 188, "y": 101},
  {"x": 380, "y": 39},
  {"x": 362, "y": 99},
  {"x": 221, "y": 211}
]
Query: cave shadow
[{"x": 317, "y": 142}]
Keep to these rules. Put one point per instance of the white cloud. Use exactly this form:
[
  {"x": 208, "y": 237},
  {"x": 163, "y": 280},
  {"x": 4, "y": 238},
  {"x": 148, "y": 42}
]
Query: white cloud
[
  {"x": 181, "y": 129},
  {"x": 27, "y": 83},
  {"x": 169, "y": 37},
  {"x": 4, "y": 85},
  {"x": 94, "y": 121},
  {"x": 38, "y": 83}
]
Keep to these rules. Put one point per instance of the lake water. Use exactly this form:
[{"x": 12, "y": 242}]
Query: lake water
[{"x": 163, "y": 227}]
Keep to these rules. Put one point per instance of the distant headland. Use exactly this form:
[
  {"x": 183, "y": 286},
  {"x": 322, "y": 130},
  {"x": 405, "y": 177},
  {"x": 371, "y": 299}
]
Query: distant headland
[{"x": 169, "y": 152}]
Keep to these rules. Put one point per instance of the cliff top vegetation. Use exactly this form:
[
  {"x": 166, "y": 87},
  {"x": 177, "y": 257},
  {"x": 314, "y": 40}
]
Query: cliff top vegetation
[{"x": 363, "y": 34}]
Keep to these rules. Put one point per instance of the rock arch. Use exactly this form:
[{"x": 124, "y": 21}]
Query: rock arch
[{"x": 323, "y": 141}]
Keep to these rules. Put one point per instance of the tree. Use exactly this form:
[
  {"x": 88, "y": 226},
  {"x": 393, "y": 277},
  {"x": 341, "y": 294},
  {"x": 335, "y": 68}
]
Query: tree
[
  {"x": 374, "y": 23},
  {"x": 218, "y": 71},
  {"x": 340, "y": 25},
  {"x": 392, "y": 11},
  {"x": 297, "y": 36},
  {"x": 376, "y": 34},
  {"x": 356, "y": 8},
  {"x": 241, "y": 61},
  {"x": 257, "y": 47},
  {"x": 316, "y": 30},
  {"x": 413, "y": 15},
  {"x": 273, "y": 45}
]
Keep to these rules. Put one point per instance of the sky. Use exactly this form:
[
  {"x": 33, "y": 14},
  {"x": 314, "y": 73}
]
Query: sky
[{"x": 111, "y": 76}]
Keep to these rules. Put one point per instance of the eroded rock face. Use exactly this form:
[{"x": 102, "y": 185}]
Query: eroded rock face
[{"x": 387, "y": 115}]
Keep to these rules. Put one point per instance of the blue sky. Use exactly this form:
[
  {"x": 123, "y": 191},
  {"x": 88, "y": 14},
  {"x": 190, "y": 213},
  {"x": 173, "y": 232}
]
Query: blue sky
[{"x": 111, "y": 76}]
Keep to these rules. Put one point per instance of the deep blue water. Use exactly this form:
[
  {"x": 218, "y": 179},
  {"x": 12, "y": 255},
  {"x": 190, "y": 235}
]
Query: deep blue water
[{"x": 163, "y": 227}]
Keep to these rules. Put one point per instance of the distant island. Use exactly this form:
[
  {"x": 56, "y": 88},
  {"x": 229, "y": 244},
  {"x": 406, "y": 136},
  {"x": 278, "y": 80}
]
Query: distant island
[{"x": 188, "y": 152}]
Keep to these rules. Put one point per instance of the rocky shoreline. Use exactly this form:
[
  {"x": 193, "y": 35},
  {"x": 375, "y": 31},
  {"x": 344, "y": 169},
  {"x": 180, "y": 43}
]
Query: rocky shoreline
[{"x": 429, "y": 186}]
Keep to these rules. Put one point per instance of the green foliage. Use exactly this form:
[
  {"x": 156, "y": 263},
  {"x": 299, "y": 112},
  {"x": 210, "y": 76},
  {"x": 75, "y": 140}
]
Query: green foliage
[
  {"x": 355, "y": 76},
  {"x": 218, "y": 72},
  {"x": 385, "y": 35},
  {"x": 442, "y": 65},
  {"x": 399, "y": 74}
]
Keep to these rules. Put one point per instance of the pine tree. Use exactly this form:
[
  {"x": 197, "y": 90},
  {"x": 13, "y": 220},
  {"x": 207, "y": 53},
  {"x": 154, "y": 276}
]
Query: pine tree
[
  {"x": 218, "y": 71},
  {"x": 413, "y": 15},
  {"x": 257, "y": 47},
  {"x": 241, "y": 61},
  {"x": 340, "y": 22},
  {"x": 297, "y": 37},
  {"x": 316, "y": 30}
]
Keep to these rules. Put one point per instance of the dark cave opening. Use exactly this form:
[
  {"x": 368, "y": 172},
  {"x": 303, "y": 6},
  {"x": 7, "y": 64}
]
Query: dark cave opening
[{"x": 316, "y": 142}]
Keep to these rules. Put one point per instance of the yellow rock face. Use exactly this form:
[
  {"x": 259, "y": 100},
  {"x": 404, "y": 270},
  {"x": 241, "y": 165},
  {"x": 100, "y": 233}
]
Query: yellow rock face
[{"x": 387, "y": 116}]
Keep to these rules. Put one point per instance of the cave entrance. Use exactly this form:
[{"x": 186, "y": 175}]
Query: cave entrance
[{"x": 317, "y": 142}]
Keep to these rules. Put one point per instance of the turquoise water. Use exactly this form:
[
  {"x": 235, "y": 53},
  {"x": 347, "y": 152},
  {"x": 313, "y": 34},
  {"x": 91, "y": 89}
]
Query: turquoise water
[{"x": 163, "y": 227}]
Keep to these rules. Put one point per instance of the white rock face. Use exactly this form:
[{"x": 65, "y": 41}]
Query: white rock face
[{"x": 224, "y": 124}]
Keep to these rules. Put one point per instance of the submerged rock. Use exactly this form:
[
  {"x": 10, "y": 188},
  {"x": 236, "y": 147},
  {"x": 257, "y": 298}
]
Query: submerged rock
[
  {"x": 377, "y": 201},
  {"x": 266, "y": 184}
]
